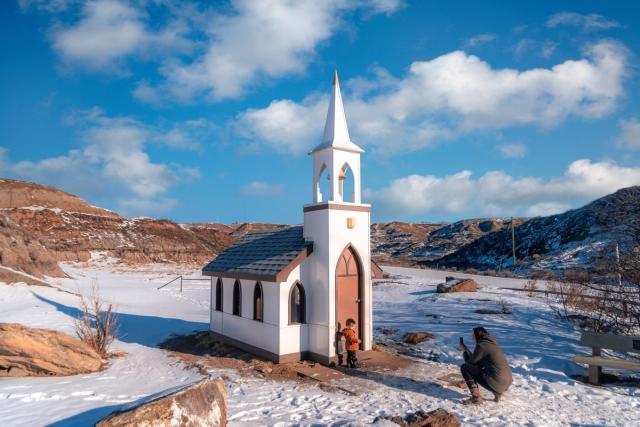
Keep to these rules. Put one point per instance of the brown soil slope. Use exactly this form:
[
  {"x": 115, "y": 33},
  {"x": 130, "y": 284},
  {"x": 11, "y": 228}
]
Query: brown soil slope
[{"x": 40, "y": 225}]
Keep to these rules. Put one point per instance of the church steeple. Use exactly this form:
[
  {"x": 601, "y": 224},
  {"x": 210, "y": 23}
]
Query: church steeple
[
  {"x": 336, "y": 155},
  {"x": 336, "y": 132}
]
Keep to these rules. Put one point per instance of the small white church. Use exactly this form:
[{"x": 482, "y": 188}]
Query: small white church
[{"x": 284, "y": 294}]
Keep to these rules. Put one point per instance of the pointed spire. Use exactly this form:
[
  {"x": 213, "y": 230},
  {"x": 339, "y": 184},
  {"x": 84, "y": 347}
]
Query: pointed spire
[{"x": 336, "y": 132}]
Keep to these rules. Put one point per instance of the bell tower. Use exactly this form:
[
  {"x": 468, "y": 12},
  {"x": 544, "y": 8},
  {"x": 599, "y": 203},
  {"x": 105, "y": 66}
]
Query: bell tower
[
  {"x": 338, "y": 273},
  {"x": 336, "y": 154}
]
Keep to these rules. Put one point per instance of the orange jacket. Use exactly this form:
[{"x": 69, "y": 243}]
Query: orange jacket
[{"x": 351, "y": 338}]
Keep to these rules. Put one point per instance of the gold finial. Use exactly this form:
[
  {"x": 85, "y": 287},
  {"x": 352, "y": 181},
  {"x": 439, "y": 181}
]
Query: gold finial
[{"x": 335, "y": 78}]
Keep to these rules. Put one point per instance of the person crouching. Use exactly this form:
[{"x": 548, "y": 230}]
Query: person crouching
[
  {"x": 351, "y": 343},
  {"x": 487, "y": 366}
]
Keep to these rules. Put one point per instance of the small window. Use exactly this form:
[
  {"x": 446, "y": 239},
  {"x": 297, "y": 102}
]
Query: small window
[
  {"x": 297, "y": 304},
  {"x": 219, "y": 295},
  {"x": 257, "y": 302},
  {"x": 237, "y": 298}
]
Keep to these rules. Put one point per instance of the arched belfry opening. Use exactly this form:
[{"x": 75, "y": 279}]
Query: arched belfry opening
[
  {"x": 346, "y": 184},
  {"x": 323, "y": 185}
]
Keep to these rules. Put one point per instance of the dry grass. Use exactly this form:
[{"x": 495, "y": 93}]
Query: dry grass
[
  {"x": 96, "y": 326},
  {"x": 531, "y": 286}
]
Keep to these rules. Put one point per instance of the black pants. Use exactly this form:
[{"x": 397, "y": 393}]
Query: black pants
[
  {"x": 473, "y": 373},
  {"x": 352, "y": 360}
]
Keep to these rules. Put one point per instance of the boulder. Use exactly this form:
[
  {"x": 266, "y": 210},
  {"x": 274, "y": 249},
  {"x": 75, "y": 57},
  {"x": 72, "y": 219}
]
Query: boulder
[
  {"x": 201, "y": 404},
  {"x": 40, "y": 352},
  {"x": 417, "y": 337},
  {"x": 389, "y": 331},
  {"x": 453, "y": 284},
  {"x": 436, "y": 418}
]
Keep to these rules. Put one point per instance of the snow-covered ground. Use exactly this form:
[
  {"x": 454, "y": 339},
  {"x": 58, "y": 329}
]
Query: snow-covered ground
[{"x": 538, "y": 346}]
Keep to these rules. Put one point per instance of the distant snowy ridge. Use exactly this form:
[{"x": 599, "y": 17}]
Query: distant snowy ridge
[{"x": 557, "y": 242}]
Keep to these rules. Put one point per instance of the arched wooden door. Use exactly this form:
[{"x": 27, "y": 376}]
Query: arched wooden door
[{"x": 348, "y": 290}]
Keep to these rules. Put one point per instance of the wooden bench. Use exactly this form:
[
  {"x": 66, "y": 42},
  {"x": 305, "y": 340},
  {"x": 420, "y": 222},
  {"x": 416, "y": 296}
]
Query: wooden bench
[{"x": 621, "y": 343}]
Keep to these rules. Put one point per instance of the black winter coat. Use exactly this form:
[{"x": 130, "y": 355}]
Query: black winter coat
[{"x": 488, "y": 357}]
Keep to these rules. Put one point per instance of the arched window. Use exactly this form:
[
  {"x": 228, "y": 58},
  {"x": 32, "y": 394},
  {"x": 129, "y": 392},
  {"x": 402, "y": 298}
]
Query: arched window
[
  {"x": 258, "y": 303},
  {"x": 297, "y": 304},
  {"x": 219, "y": 295},
  {"x": 237, "y": 298}
]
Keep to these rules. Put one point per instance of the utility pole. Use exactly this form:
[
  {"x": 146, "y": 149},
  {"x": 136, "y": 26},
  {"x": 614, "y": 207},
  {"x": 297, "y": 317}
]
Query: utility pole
[
  {"x": 618, "y": 264},
  {"x": 513, "y": 242}
]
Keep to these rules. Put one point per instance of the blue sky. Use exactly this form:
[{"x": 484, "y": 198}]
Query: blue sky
[{"x": 205, "y": 111}]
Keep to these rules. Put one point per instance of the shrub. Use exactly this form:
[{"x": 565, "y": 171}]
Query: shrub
[{"x": 96, "y": 326}]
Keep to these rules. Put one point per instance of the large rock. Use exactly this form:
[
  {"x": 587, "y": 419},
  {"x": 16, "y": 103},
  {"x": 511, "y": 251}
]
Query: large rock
[
  {"x": 417, "y": 337},
  {"x": 201, "y": 404},
  {"x": 436, "y": 418},
  {"x": 40, "y": 352},
  {"x": 453, "y": 284}
]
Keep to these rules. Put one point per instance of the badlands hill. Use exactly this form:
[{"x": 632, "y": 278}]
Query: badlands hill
[
  {"x": 571, "y": 240},
  {"x": 409, "y": 244},
  {"x": 40, "y": 225}
]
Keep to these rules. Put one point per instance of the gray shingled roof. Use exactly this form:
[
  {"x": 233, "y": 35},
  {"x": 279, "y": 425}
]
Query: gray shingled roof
[{"x": 261, "y": 255}]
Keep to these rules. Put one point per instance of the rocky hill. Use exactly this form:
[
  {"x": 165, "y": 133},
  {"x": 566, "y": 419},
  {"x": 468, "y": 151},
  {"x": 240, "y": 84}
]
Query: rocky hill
[
  {"x": 41, "y": 225},
  {"x": 568, "y": 240},
  {"x": 404, "y": 243}
]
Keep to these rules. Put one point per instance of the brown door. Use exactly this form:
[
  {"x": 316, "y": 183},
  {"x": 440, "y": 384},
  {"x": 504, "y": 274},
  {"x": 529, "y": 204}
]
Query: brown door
[{"x": 348, "y": 294}]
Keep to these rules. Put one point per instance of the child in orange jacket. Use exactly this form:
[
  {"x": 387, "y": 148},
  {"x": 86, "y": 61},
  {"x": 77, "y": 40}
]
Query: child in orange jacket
[{"x": 352, "y": 343}]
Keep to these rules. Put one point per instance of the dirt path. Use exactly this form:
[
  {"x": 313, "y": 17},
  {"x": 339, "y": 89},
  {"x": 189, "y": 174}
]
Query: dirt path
[{"x": 382, "y": 365}]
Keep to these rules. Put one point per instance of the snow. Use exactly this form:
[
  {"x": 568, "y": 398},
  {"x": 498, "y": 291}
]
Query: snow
[
  {"x": 538, "y": 345},
  {"x": 21, "y": 273}
]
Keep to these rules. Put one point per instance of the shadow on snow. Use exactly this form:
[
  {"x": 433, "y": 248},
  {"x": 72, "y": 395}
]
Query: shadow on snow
[{"x": 138, "y": 329}]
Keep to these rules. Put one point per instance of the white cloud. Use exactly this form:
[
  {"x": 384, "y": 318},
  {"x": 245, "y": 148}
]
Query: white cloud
[
  {"x": 284, "y": 125},
  {"x": 110, "y": 31},
  {"x": 448, "y": 96},
  {"x": 213, "y": 50},
  {"x": 112, "y": 162},
  {"x": 188, "y": 135},
  {"x": 498, "y": 194},
  {"x": 545, "y": 48},
  {"x": 479, "y": 39},
  {"x": 588, "y": 22},
  {"x": 629, "y": 136},
  {"x": 261, "y": 189},
  {"x": 259, "y": 40},
  {"x": 51, "y": 6},
  {"x": 512, "y": 151}
]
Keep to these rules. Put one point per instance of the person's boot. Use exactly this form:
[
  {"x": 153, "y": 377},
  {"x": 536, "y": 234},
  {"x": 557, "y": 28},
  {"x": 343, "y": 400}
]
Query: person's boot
[
  {"x": 497, "y": 397},
  {"x": 475, "y": 398}
]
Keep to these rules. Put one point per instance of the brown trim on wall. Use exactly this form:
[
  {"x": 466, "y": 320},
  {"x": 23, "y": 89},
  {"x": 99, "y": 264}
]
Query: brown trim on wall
[
  {"x": 257, "y": 351},
  {"x": 337, "y": 207},
  {"x": 284, "y": 273},
  {"x": 325, "y": 360},
  {"x": 293, "y": 357}
]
